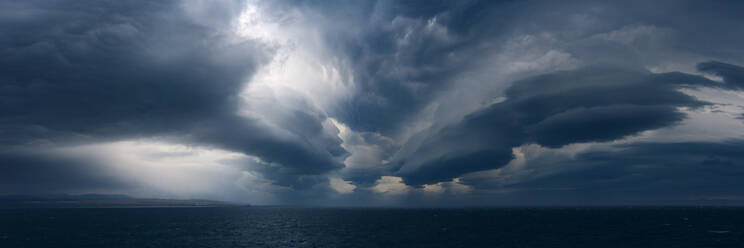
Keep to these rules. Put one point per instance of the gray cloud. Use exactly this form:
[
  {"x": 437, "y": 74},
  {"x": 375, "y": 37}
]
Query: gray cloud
[
  {"x": 428, "y": 91},
  {"x": 38, "y": 174},
  {"x": 553, "y": 110},
  {"x": 114, "y": 68},
  {"x": 733, "y": 75},
  {"x": 109, "y": 70},
  {"x": 642, "y": 173},
  {"x": 404, "y": 53}
]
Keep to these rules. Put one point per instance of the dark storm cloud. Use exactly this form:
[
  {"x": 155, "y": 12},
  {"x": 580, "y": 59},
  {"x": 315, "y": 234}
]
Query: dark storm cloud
[
  {"x": 614, "y": 100},
  {"x": 553, "y": 110},
  {"x": 24, "y": 173},
  {"x": 109, "y": 70},
  {"x": 650, "y": 173},
  {"x": 731, "y": 74},
  {"x": 116, "y": 68},
  {"x": 87, "y": 72},
  {"x": 404, "y": 53}
]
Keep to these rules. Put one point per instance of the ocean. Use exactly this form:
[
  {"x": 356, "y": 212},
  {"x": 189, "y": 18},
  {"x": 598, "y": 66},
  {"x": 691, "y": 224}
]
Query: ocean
[{"x": 372, "y": 227}]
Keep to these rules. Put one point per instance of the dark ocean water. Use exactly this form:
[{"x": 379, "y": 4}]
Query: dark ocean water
[{"x": 329, "y": 227}]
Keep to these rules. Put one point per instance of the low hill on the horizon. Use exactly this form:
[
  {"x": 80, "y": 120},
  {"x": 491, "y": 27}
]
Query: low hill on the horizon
[{"x": 103, "y": 201}]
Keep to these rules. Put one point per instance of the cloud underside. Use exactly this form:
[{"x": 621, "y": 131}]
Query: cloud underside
[
  {"x": 281, "y": 102},
  {"x": 640, "y": 173},
  {"x": 144, "y": 70},
  {"x": 554, "y": 110}
]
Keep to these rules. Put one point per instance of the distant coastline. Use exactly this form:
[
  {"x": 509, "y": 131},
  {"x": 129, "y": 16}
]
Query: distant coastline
[{"x": 104, "y": 201}]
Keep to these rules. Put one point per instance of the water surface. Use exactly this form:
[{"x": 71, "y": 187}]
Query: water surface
[{"x": 333, "y": 227}]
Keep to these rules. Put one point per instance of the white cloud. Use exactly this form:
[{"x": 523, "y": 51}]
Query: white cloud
[
  {"x": 365, "y": 152},
  {"x": 341, "y": 186},
  {"x": 455, "y": 186},
  {"x": 433, "y": 188},
  {"x": 391, "y": 185},
  {"x": 303, "y": 74}
]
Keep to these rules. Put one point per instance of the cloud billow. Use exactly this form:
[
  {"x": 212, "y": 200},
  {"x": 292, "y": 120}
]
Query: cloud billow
[
  {"x": 331, "y": 102},
  {"x": 104, "y": 71},
  {"x": 553, "y": 110},
  {"x": 644, "y": 173}
]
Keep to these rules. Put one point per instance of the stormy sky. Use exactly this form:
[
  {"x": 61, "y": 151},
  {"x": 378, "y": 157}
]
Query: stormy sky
[{"x": 375, "y": 103}]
